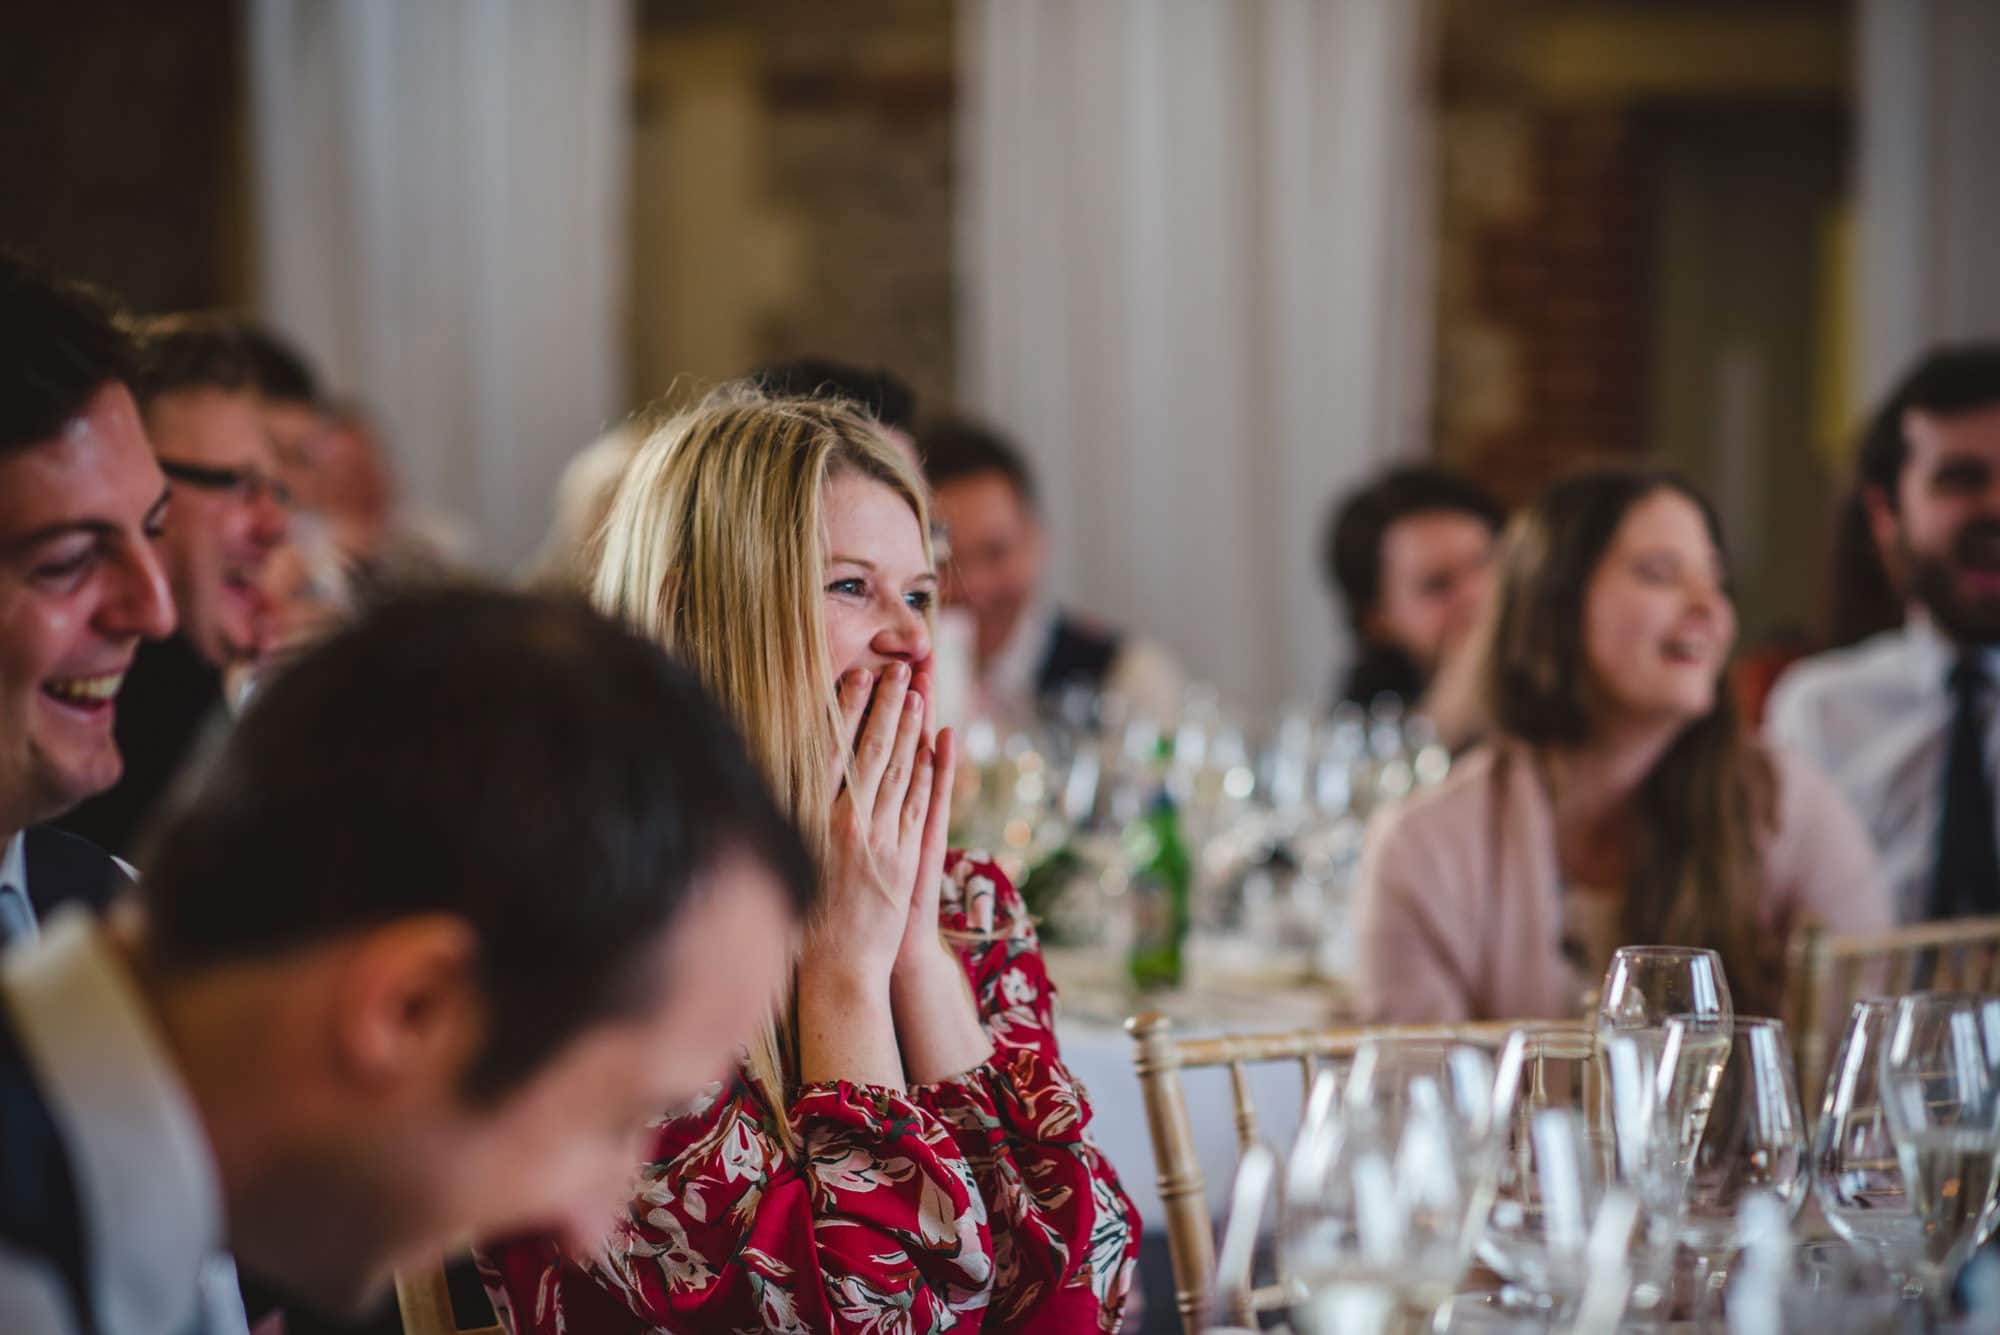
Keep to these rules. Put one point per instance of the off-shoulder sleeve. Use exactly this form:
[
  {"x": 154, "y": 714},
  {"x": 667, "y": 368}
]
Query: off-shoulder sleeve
[
  {"x": 875, "y": 1224},
  {"x": 1065, "y": 1236}
]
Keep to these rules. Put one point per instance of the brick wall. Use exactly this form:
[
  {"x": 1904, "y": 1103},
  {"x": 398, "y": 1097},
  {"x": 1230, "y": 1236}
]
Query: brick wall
[
  {"x": 121, "y": 125},
  {"x": 852, "y": 147},
  {"x": 1543, "y": 304}
]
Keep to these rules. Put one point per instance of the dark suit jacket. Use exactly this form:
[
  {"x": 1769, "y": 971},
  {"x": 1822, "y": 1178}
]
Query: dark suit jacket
[{"x": 63, "y": 869}]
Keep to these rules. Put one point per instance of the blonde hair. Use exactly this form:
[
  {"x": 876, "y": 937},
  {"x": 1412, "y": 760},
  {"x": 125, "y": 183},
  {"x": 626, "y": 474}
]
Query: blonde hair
[{"x": 712, "y": 546}]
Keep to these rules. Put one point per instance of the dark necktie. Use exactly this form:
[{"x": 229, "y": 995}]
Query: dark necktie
[{"x": 1968, "y": 863}]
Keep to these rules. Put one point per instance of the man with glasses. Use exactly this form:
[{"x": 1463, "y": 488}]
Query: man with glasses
[
  {"x": 81, "y": 584},
  {"x": 198, "y": 391}
]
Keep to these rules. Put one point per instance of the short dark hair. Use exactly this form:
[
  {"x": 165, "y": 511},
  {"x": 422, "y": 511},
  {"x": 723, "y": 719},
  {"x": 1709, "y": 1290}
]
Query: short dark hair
[
  {"x": 1351, "y": 553},
  {"x": 1951, "y": 379},
  {"x": 193, "y": 350},
  {"x": 515, "y": 760},
  {"x": 280, "y": 370},
  {"x": 878, "y": 391},
  {"x": 60, "y": 343},
  {"x": 956, "y": 449}
]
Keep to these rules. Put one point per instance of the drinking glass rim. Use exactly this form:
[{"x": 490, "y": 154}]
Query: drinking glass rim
[{"x": 1641, "y": 952}]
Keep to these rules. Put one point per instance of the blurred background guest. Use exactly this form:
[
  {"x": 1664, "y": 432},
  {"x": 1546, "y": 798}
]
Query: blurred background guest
[
  {"x": 1410, "y": 555},
  {"x": 582, "y": 498},
  {"x": 880, "y": 393},
  {"x": 1027, "y": 649},
  {"x": 1905, "y": 721},
  {"x": 230, "y": 512},
  {"x": 1618, "y": 800},
  {"x": 82, "y": 503}
]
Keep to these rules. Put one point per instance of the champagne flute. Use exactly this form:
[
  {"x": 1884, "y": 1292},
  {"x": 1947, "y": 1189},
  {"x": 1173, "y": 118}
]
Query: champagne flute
[
  {"x": 1940, "y": 1083},
  {"x": 1661, "y": 1080},
  {"x": 1857, "y": 1176}
]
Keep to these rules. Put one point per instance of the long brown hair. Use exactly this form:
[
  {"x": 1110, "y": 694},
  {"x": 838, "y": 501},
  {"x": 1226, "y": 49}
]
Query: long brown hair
[{"x": 1697, "y": 874}]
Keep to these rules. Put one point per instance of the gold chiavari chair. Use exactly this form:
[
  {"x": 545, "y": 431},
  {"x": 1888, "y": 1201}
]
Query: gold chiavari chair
[
  {"x": 424, "y": 1297},
  {"x": 1162, "y": 1059},
  {"x": 1827, "y": 971}
]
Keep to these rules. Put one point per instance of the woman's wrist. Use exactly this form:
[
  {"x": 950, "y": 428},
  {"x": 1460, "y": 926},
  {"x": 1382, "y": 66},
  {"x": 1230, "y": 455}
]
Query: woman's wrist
[
  {"x": 846, "y": 1024},
  {"x": 937, "y": 1020}
]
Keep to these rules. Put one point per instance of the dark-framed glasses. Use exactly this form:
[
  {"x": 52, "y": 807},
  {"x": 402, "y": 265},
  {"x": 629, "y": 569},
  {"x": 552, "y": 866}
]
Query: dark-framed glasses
[{"x": 247, "y": 485}]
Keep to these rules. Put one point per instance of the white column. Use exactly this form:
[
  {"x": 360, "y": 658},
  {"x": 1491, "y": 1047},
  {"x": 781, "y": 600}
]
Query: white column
[
  {"x": 440, "y": 208},
  {"x": 1928, "y": 179},
  {"x": 1196, "y": 243}
]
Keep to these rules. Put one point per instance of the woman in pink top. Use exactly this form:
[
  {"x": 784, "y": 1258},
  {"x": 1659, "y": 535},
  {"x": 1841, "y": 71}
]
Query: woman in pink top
[{"x": 1619, "y": 799}]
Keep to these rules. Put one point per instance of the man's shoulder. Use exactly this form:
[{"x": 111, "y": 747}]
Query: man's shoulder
[
  {"x": 1877, "y": 665},
  {"x": 1085, "y": 629},
  {"x": 64, "y": 868}
]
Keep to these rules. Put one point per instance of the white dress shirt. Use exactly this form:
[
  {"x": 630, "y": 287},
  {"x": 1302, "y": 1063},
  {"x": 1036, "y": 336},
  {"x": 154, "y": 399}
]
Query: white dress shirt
[
  {"x": 17, "y": 911},
  {"x": 1141, "y": 673},
  {"x": 146, "y": 1183},
  {"x": 1876, "y": 718}
]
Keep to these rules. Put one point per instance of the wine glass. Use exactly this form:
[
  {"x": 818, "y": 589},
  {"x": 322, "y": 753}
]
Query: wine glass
[
  {"x": 1940, "y": 1085},
  {"x": 1753, "y": 1144},
  {"x": 1386, "y": 1191},
  {"x": 1857, "y": 1176},
  {"x": 1648, "y": 985},
  {"x": 1552, "y": 1168}
]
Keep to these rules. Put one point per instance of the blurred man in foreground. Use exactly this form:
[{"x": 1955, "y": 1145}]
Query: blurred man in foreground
[{"x": 477, "y": 889}]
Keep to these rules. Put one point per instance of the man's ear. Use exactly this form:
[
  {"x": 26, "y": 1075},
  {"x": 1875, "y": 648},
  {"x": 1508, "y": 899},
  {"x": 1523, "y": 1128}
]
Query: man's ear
[
  {"x": 1883, "y": 524},
  {"x": 408, "y": 1012}
]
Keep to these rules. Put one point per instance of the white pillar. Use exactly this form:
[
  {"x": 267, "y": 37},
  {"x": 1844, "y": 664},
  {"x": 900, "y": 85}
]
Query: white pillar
[
  {"x": 440, "y": 216},
  {"x": 1928, "y": 180},
  {"x": 1196, "y": 242}
]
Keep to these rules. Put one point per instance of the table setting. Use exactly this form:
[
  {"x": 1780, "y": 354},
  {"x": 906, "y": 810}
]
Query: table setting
[{"x": 1648, "y": 1169}]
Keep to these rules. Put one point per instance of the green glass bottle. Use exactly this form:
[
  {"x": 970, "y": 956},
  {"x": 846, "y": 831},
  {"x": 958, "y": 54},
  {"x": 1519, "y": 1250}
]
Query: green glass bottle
[{"x": 1162, "y": 877}]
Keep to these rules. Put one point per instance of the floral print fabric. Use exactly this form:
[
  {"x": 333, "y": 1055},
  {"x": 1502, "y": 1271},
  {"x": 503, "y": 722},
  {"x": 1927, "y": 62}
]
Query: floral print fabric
[{"x": 975, "y": 1204}]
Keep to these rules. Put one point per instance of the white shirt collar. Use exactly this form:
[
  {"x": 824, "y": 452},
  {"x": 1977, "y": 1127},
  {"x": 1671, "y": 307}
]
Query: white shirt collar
[
  {"x": 146, "y": 1177},
  {"x": 14, "y": 863},
  {"x": 1008, "y": 684},
  {"x": 1932, "y": 653},
  {"x": 14, "y": 883}
]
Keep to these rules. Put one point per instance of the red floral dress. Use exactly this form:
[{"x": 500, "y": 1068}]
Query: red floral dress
[{"x": 977, "y": 1203}]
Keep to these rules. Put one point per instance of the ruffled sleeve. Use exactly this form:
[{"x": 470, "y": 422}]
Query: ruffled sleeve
[
  {"x": 1065, "y": 1236},
  {"x": 874, "y": 1226}
]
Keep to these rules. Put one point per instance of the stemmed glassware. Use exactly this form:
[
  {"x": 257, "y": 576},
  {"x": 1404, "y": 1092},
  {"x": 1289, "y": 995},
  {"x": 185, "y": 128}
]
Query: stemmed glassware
[
  {"x": 1857, "y": 1176},
  {"x": 1553, "y": 1167},
  {"x": 1753, "y": 1144},
  {"x": 1660, "y": 1080},
  {"x": 1390, "y": 1183},
  {"x": 1662, "y": 1076},
  {"x": 1940, "y": 1088}
]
